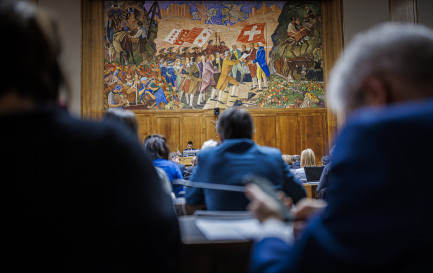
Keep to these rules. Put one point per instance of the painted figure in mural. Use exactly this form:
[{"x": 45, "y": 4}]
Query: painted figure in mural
[
  {"x": 141, "y": 35},
  {"x": 211, "y": 48},
  {"x": 252, "y": 67},
  {"x": 116, "y": 98},
  {"x": 186, "y": 80},
  {"x": 225, "y": 77},
  {"x": 207, "y": 78},
  {"x": 217, "y": 64},
  {"x": 262, "y": 67},
  {"x": 222, "y": 48},
  {"x": 232, "y": 13},
  {"x": 195, "y": 77},
  {"x": 236, "y": 54}
]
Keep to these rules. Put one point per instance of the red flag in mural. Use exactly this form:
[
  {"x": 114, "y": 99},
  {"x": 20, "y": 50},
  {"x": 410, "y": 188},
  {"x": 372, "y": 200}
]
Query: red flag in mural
[
  {"x": 198, "y": 36},
  {"x": 177, "y": 36},
  {"x": 252, "y": 33}
]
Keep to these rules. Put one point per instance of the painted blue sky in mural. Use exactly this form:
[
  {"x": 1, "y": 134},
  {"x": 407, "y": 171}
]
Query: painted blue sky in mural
[{"x": 219, "y": 12}]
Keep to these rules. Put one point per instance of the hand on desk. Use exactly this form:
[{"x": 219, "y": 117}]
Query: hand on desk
[
  {"x": 263, "y": 206},
  {"x": 266, "y": 208}
]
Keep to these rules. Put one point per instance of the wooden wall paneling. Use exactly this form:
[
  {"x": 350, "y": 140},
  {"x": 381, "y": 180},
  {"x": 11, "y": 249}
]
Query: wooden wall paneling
[
  {"x": 169, "y": 127},
  {"x": 288, "y": 132},
  {"x": 145, "y": 126},
  {"x": 191, "y": 128},
  {"x": 313, "y": 134},
  {"x": 332, "y": 14},
  {"x": 209, "y": 128},
  {"x": 265, "y": 130},
  {"x": 92, "y": 59}
]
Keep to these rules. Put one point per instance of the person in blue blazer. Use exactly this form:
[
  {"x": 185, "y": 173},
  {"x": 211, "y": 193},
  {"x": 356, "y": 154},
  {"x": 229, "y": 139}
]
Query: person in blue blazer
[
  {"x": 377, "y": 218},
  {"x": 236, "y": 157}
]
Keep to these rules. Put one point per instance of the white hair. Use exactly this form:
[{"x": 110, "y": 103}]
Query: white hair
[
  {"x": 208, "y": 144},
  {"x": 400, "y": 49}
]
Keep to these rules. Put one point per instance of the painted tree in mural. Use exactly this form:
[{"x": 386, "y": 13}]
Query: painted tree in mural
[{"x": 205, "y": 54}]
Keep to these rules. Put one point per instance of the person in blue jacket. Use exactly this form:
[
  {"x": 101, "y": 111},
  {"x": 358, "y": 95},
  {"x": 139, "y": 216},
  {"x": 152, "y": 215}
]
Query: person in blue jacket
[
  {"x": 377, "y": 218},
  {"x": 236, "y": 157}
]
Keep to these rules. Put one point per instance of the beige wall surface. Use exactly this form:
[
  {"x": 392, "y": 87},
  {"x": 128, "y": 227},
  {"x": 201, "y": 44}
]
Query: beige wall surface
[
  {"x": 361, "y": 15},
  {"x": 425, "y": 11},
  {"x": 68, "y": 15}
]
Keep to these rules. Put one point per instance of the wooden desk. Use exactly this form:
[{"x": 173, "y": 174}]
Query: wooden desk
[
  {"x": 311, "y": 190},
  {"x": 185, "y": 160},
  {"x": 202, "y": 255}
]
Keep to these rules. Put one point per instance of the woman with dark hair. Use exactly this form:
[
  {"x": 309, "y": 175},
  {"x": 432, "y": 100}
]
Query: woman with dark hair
[{"x": 156, "y": 146}]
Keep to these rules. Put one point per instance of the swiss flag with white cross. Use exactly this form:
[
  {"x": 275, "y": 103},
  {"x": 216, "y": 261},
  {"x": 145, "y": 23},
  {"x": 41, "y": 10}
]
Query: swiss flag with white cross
[{"x": 252, "y": 33}]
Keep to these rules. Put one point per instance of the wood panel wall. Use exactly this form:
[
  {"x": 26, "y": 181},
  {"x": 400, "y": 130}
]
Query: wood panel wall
[{"x": 290, "y": 130}]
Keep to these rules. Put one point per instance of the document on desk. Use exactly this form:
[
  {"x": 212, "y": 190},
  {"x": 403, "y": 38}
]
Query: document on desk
[{"x": 230, "y": 229}]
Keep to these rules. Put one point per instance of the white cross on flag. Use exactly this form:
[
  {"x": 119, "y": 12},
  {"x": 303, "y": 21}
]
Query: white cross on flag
[
  {"x": 176, "y": 36},
  {"x": 198, "y": 36},
  {"x": 252, "y": 33}
]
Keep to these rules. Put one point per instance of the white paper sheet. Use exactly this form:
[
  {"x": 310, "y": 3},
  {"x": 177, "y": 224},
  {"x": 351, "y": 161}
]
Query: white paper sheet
[{"x": 241, "y": 229}]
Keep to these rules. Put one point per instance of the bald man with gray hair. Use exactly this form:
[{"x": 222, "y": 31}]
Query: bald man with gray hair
[{"x": 376, "y": 218}]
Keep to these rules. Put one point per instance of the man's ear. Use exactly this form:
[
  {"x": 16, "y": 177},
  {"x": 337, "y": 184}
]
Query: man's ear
[{"x": 376, "y": 92}]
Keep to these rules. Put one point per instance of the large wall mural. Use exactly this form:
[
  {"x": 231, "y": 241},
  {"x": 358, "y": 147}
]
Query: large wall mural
[{"x": 204, "y": 54}]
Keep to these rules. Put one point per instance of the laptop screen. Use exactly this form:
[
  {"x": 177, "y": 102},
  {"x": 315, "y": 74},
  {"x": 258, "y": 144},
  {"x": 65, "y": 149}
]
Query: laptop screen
[{"x": 313, "y": 173}]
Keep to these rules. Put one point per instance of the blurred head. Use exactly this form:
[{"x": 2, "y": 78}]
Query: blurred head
[
  {"x": 288, "y": 159},
  {"x": 308, "y": 158},
  {"x": 125, "y": 118},
  {"x": 252, "y": 45},
  {"x": 208, "y": 144},
  {"x": 235, "y": 123},
  {"x": 189, "y": 145},
  {"x": 296, "y": 158},
  {"x": 156, "y": 146},
  {"x": 386, "y": 64},
  {"x": 31, "y": 51}
]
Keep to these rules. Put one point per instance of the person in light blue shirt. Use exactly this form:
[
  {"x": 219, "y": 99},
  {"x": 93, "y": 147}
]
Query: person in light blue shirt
[{"x": 157, "y": 148}]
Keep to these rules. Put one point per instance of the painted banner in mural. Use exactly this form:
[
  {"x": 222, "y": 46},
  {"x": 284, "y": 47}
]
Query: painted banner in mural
[{"x": 205, "y": 54}]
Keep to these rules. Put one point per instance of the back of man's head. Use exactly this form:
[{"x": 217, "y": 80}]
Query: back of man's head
[
  {"x": 235, "y": 123},
  {"x": 394, "y": 58}
]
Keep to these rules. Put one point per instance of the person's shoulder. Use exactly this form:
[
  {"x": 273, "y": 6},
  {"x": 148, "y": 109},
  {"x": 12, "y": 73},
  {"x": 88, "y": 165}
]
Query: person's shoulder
[
  {"x": 271, "y": 151},
  {"x": 399, "y": 112}
]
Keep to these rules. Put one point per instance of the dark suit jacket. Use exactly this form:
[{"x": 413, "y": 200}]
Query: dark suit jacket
[
  {"x": 82, "y": 197},
  {"x": 228, "y": 163},
  {"x": 378, "y": 216}
]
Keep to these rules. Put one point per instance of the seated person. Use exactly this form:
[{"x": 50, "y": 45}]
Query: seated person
[
  {"x": 288, "y": 159},
  {"x": 308, "y": 159},
  {"x": 236, "y": 157},
  {"x": 175, "y": 158},
  {"x": 189, "y": 170},
  {"x": 322, "y": 188},
  {"x": 377, "y": 217},
  {"x": 296, "y": 162},
  {"x": 189, "y": 147},
  {"x": 157, "y": 148}
]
